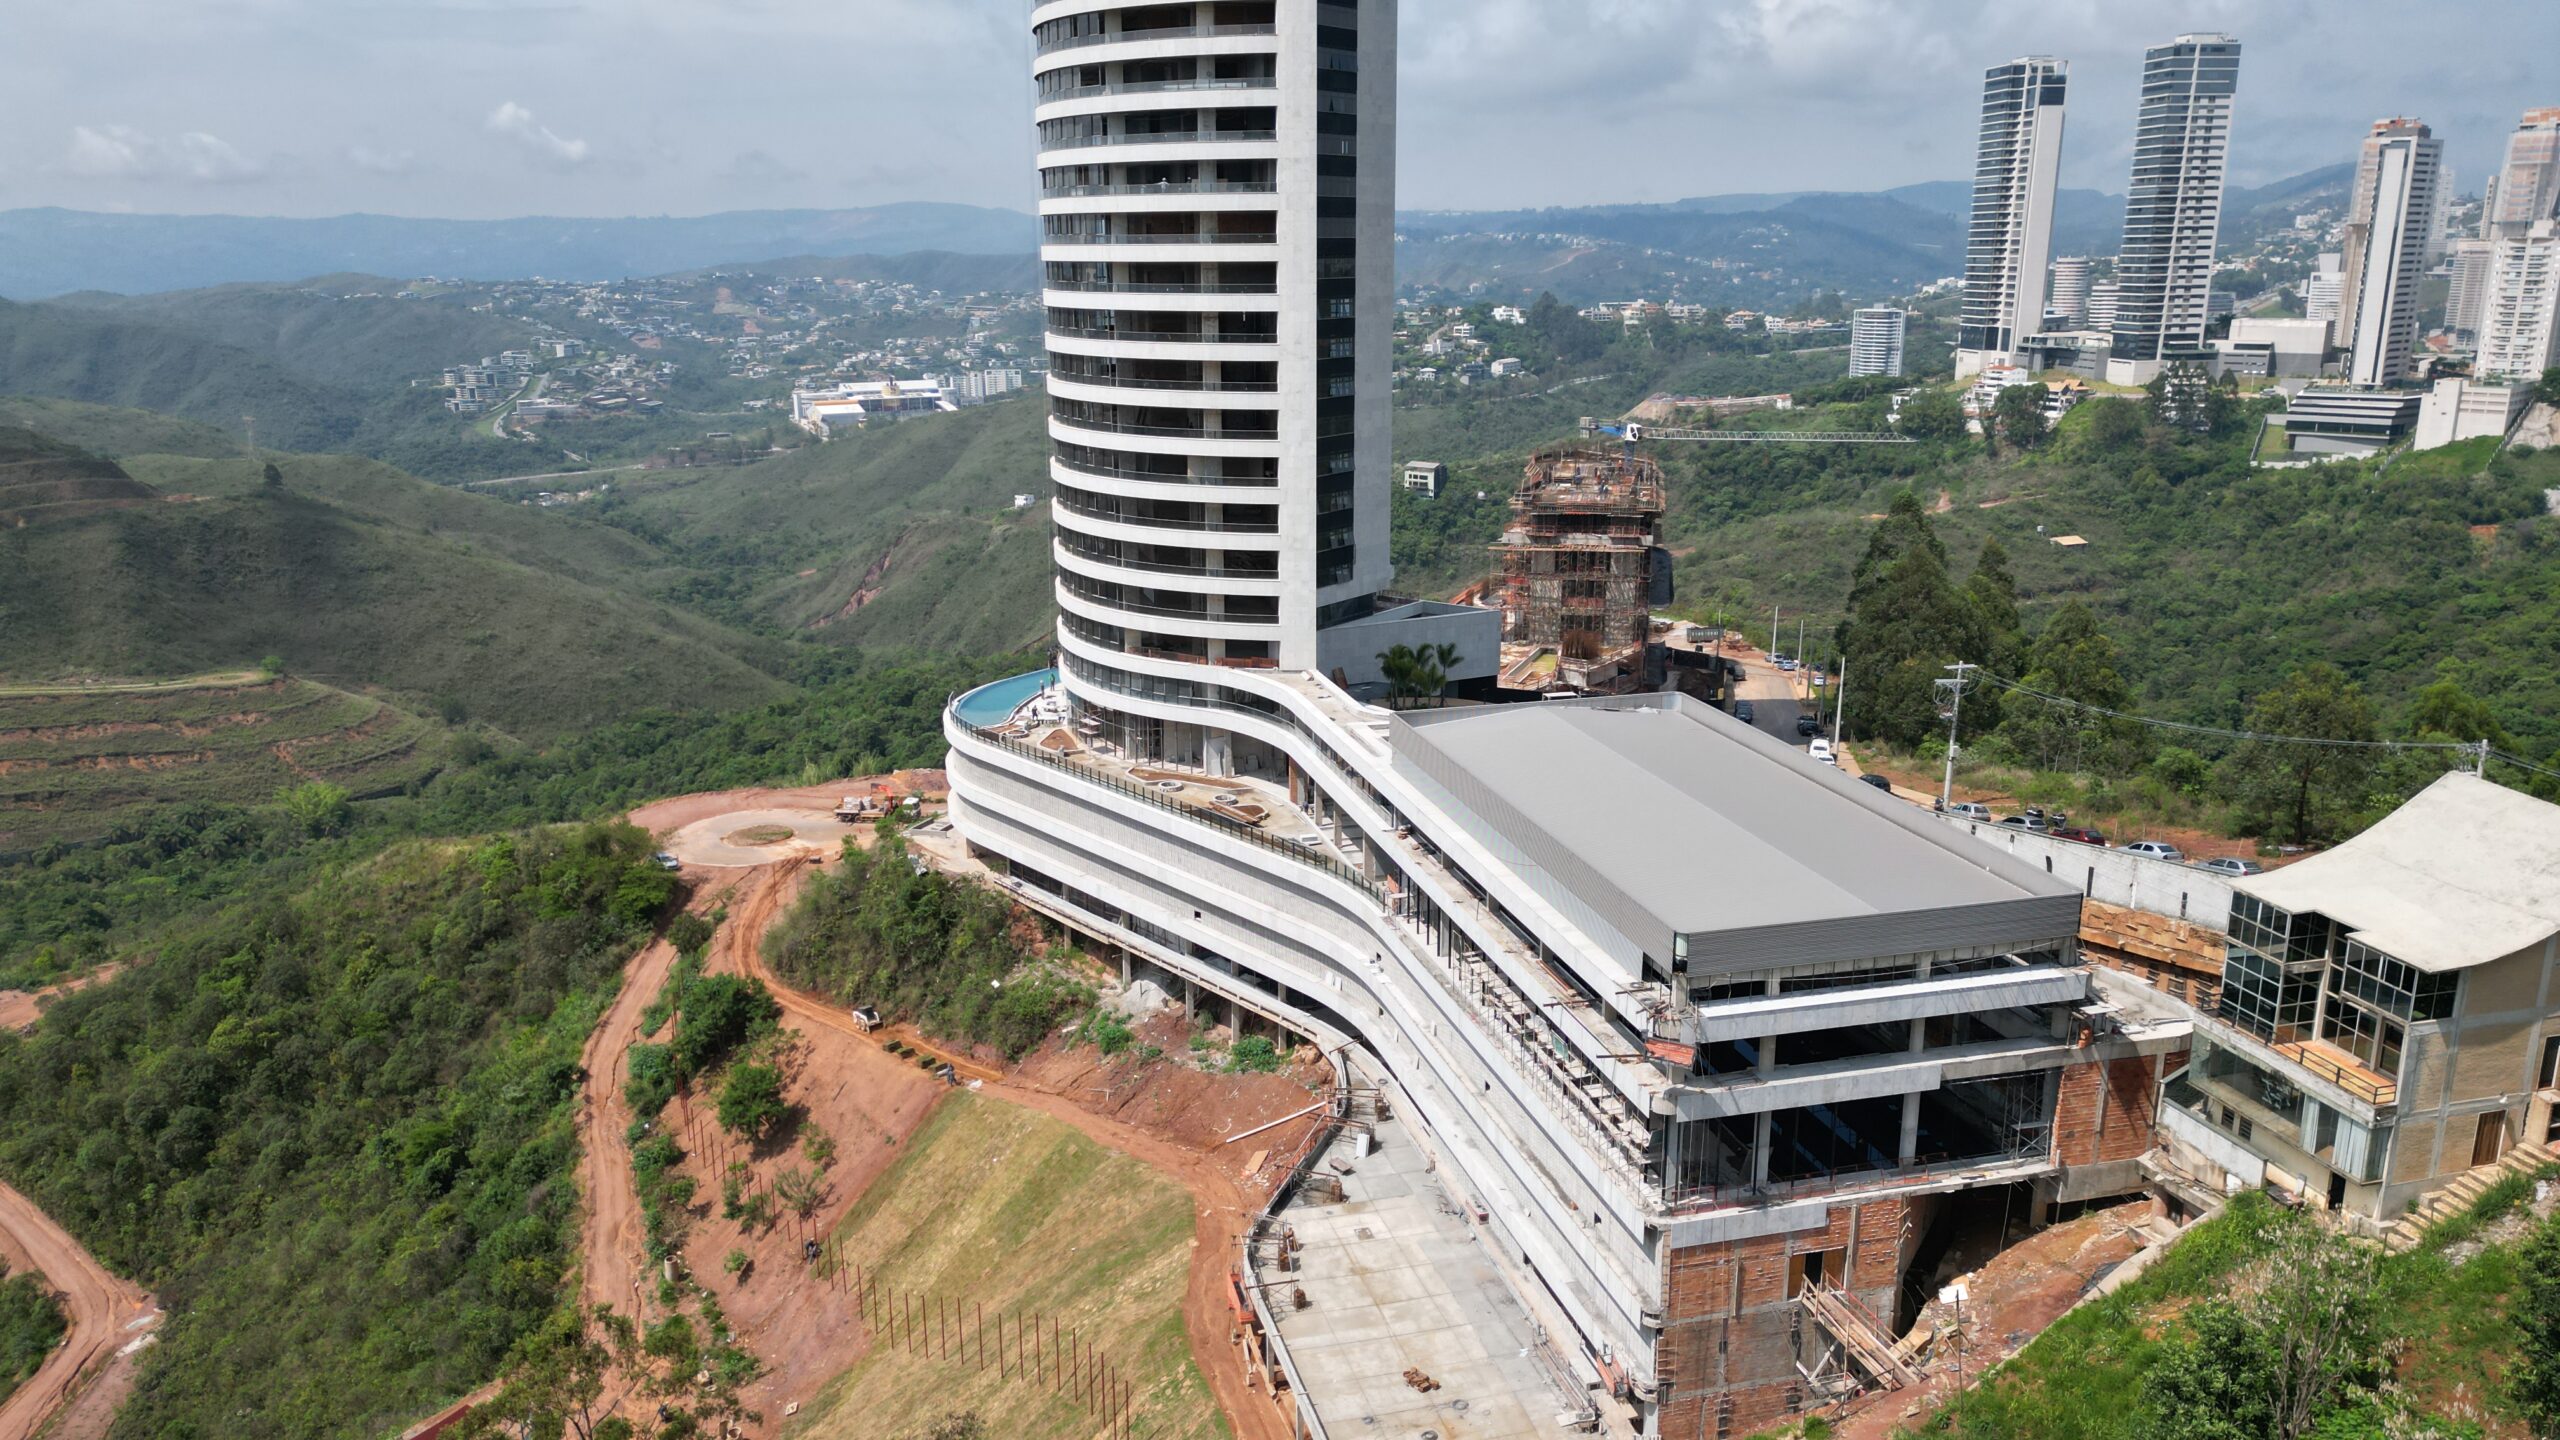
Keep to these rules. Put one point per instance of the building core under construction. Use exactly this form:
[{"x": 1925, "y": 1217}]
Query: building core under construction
[{"x": 1581, "y": 572}]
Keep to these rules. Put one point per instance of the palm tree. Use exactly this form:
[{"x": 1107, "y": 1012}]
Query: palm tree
[
  {"x": 1413, "y": 673},
  {"x": 1445, "y": 660}
]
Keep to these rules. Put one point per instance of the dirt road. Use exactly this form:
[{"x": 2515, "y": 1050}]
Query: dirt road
[
  {"x": 19, "y": 1008},
  {"x": 106, "y": 1314}
]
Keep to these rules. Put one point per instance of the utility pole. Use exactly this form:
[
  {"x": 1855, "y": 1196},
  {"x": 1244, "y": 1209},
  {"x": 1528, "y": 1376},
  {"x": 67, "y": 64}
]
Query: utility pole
[
  {"x": 1773, "y": 629},
  {"x": 1840, "y": 706},
  {"x": 2480, "y": 758},
  {"x": 1799, "y": 642},
  {"x": 1955, "y": 716}
]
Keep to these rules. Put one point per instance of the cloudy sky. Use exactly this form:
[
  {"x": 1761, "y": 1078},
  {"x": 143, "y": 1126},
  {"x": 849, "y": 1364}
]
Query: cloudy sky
[{"x": 478, "y": 108}]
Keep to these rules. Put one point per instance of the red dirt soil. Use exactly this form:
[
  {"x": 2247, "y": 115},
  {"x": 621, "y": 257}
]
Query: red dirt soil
[
  {"x": 19, "y": 1008},
  {"x": 2012, "y": 1299},
  {"x": 106, "y": 1315}
]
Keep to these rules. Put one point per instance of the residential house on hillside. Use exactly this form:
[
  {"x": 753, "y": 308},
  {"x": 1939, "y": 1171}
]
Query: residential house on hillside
[{"x": 2390, "y": 1010}]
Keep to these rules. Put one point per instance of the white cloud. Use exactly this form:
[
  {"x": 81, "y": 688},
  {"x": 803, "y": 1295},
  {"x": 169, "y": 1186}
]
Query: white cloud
[
  {"x": 382, "y": 162},
  {"x": 517, "y": 123},
  {"x": 120, "y": 152}
]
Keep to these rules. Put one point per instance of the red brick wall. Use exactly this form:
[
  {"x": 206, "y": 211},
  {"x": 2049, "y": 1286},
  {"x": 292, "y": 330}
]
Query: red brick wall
[{"x": 2105, "y": 1111}]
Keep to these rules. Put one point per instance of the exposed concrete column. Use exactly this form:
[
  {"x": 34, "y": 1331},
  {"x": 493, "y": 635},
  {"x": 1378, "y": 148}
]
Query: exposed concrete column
[
  {"x": 1760, "y": 1148},
  {"x": 1910, "y": 1125},
  {"x": 1124, "y": 967}
]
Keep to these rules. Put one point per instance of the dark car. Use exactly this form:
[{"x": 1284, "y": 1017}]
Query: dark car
[
  {"x": 2081, "y": 833},
  {"x": 1877, "y": 781},
  {"x": 1808, "y": 724},
  {"x": 1743, "y": 712}
]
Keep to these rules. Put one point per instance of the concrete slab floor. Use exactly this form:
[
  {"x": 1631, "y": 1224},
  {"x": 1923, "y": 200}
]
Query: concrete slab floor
[{"x": 1396, "y": 1278}]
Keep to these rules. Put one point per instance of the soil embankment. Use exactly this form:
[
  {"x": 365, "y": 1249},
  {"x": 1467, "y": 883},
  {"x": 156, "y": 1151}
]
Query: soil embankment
[{"x": 88, "y": 1376}]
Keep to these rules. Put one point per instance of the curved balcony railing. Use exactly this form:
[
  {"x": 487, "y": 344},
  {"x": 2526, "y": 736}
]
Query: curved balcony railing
[
  {"x": 1167, "y": 137},
  {"x": 1169, "y": 32},
  {"x": 1166, "y": 432},
  {"x": 1167, "y": 337},
  {"x": 1164, "y": 187},
  {"x": 1123, "y": 382},
  {"x": 1155, "y": 87},
  {"x": 1133, "y": 287},
  {"x": 1159, "y": 477},
  {"x": 1195, "y": 572},
  {"x": 1205, "y": 237},
  {"x": 1156, "y": 522}
]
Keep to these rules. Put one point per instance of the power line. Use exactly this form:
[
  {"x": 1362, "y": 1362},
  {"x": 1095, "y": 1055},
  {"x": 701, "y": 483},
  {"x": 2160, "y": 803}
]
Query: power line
[{"x": 2480, "y": 748}]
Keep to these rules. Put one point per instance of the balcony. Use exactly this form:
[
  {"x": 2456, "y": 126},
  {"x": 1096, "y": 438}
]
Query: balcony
[
  {"x": 1163, "y": 187},
  {"x": 1171, "y": 32},
  {"x": 1160, "y": 137},
  {"x": 2344, "y": 1071},
  {"x": 1202, "y": 237}
]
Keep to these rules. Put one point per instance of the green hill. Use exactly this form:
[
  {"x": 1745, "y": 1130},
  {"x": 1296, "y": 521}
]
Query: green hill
[
  {"x": 358, "y": 576},
  {"x": 77, "y": 762},
  {"x": 68, "y": 353},
  {"x": 115, "y": 431},
  {"x": 900, "y": 535},
  {"x": 43, "y": 479}
]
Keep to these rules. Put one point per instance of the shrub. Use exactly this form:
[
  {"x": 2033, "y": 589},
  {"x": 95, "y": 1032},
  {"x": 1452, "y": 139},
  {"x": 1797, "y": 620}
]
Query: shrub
[
  {"x": 1254, "y": 1053},
  {"x": 751, "y": 1103}
]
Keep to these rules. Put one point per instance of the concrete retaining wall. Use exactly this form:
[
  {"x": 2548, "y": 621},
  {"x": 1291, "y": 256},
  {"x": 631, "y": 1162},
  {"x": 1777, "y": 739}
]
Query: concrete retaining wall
[{"x": 2137, "y": 882}]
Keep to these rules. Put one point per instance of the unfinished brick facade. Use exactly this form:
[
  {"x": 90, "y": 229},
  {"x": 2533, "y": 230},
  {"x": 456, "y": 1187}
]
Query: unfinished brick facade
[
  {"x": 2104, "y": 1111},
  {"x": 1733, "y": 1331},
  {"x": 1577, "y": 569}
]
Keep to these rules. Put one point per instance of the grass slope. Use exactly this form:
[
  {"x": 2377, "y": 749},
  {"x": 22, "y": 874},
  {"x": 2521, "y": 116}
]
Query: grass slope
[
  {"x": 115, "y": 431},
  {"x": 917, "y": 517},
  {"x": 996, "y": 1206},
  {"x": 69, "y": 353},
  {"x": 359, "y": 576},
  {"x": 75, "y": 765}
]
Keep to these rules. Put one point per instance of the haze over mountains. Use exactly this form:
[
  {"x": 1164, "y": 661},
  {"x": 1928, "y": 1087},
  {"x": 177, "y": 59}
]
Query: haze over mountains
[{"x": 1871, "y": 243}]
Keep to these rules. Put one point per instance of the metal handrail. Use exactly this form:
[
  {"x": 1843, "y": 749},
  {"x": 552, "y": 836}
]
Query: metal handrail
[
  {"x": 1203, "y": 237},
  {"x": 1166, "y": 612},
  {"x": 2353, "y": 1080},
  {"x": 1197, "y": 572},
  {"x": 1161, "y": 337},
  {"x": 1132, "y": 287},
  {"x": 1158, "y": 137},
  {"x": 1170, "y": 432},
  {"x": 1231, "y": 829},
  {"x": 1154, "y": 87},
  {"x": 1148, "y": 522},
  {"x": 1167, "y": 32},
  {"x": 1165, "y": 187},
  {"x": 1201, "y": 387},
  {"x": 1160, "y": 477}
]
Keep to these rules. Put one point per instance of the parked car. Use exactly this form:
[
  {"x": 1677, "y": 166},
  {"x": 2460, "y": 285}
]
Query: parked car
[
  {"x": 2232, "y": 865},
  {"x": 2081, "y": 833},
  {"x": 1743, "y": 712},
  {"x": 1970, "y": 810},
  {"x": 1820, "y": 750},
  {"x": 1808, "y": 724},
  {"x": 667, "y": 861},
  {"x": 1787, "y": 664},
  {"x": 2154, "y": 849},
  {"x": 1877, "y": 781},
  {"x": 2034, "y": 824}
]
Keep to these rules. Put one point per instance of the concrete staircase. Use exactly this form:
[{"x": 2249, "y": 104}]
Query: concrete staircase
[{"x": 2466, "y": 1190}]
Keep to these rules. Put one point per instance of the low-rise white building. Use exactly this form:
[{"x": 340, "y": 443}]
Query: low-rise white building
[
  {"x": 859, "y": 402},
  {"x": 2464, "y": 409}
]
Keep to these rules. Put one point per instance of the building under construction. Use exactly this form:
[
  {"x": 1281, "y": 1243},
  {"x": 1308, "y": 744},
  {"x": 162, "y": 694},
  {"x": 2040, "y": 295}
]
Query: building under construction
[{"x": 1580, "y": 572}]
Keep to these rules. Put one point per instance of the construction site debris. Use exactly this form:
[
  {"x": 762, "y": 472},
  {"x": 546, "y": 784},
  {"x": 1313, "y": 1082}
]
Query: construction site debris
[{"x": 1415, "y": 1377}]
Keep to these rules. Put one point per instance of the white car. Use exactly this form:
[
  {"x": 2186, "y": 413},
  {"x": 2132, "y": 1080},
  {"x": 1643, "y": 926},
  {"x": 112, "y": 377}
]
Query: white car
[
  {"x": 2154, "y": 849},
  {"x": 1820, "y": 751},
  {"x": 1970, "y": 810}
]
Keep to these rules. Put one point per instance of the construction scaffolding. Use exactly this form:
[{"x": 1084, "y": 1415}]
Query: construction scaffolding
[{"x": 1577, "y": 564}]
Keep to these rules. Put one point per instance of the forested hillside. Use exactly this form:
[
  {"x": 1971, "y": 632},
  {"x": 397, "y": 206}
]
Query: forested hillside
[{"x": 335, "y": 1132}]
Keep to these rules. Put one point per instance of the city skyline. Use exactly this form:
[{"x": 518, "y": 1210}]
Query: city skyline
[{"x": 546, "y": 111}]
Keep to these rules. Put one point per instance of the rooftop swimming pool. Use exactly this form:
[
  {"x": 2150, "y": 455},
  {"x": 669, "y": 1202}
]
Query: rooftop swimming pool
[{"x": 993, "y": 704}]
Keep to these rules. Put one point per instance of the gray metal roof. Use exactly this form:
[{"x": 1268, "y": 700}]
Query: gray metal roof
[{"x": 1684, "y": 828}]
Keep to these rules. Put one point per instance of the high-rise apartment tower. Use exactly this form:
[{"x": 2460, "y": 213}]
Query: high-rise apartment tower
[
  {"x": 2014, "y": 172},
  {"x": 2394, "y": 207},
  {"x": 1875, "y": 340},
  {"x": 2173, "y": 210}
]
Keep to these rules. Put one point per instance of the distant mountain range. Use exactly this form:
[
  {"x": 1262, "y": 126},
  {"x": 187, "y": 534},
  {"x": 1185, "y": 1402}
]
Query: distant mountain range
[
  {"x": 1865, "y": 243},
  {"x": 44, "y": 253}
]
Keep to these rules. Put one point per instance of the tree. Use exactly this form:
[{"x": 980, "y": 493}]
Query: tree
[
  {"x": 751, "y": 1103},
  {"x": 1412, "y": 673},
  {"x": 2546, "y": 391},
  {"x": 1905, "y": 527},
  {"x": 2446, "y": 710},
  {"x": 2216, "y": 1382},
  {"x": 319, "y": 807},
  {"x": 2535, "y": 1313},
  {"x": 2074, "y": 660},
  {"x": 2304, "y": 791},
  {"x": 2020, "y": 414},
  {"x": 273, "y": 477},
  {"x": 555, "y": 1380},
  {"x": 2317, "y": 1312},
  {"x": 1913, "y": 625},
  {"x": 1933, "y": 415},
  {"x": 2114, "y": 424},
  {"x": 800, "y": 1190}
]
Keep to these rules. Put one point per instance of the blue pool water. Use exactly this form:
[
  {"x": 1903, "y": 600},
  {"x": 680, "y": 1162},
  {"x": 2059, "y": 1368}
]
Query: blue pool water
[{"x": 994, "y": 704}]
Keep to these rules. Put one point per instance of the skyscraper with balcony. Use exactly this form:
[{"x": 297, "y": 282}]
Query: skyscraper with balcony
[
  {"x": 1653, "y": 996},
  {"x": 2387, "y": 228},
  {"x": 1875, "y": 340},
  {"x": 2070, "y": 298},
  {"x": 2016, "y": 164},
  {"x": 2519, "y": 312},
  {"x": 2173, "y": 209}
]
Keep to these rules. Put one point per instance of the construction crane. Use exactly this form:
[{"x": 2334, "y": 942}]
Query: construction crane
[{"x": 1633, "y": 433}]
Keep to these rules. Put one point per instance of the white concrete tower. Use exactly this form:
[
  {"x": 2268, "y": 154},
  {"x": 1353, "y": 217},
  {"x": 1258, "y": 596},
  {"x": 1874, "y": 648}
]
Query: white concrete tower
[
  {"x": 2070, "y": 298},
  {"x": 1217, "y": 194},
  {"x": 2015, "y": 169},
  {"x": 2388, "y": 249}
]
